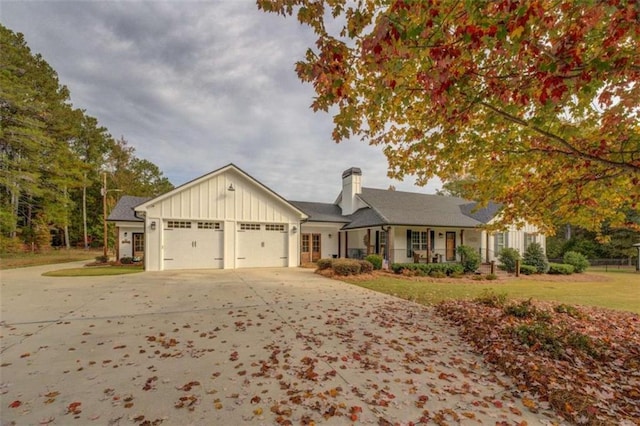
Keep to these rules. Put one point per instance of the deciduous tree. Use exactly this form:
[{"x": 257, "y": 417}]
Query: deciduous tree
[{"x": 539, "y": 100}]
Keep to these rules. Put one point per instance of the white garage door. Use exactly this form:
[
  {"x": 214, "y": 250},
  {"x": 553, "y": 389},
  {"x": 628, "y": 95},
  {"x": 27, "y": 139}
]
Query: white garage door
[
  {"x": 193, "y": 244},
  {"x": 262, "y": 244}
]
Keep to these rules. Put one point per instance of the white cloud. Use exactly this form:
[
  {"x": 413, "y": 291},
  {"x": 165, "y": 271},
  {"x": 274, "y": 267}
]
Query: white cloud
[{"x": 196, "y": 85}]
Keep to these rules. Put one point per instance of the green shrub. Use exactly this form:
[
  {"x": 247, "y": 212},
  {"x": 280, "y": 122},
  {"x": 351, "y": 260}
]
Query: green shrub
[
  {"x": 375, "y": 260},
  {"x": 346, "y": 266},
  {"x": 523, "y": 309},
  {"x": 578, "y": 260},
  {"x": 366, "y": 267},
  {"x": 10, "y": 245},
  {"x": 560, "y": 269},
  {"x": 491, "y": 277},
  {"x": 534, "y": 255},
  {"x": 528, "y": 269},
  {"x": 490, "y": 298},
  {"x": 102, "y": 259},
  {"x": 425, "y": 268},
  {"x": 540, "y": 333},
  {"x": 583, "y": 343},
  {"x": 508, "y": 257},
  {"x": 469, "y": 258},
  {"x": 572, "y": 311},
  {"x": 437, "y": 274},
  {"x": 126, "y": 260},
  {"x": 324, "y": 264}
]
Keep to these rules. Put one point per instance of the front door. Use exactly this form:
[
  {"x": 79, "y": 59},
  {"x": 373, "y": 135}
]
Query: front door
[
  {"x": 451, "y": 246},
  {"x": 310, "y": 248},
  {"x": 138, "y": 245}
]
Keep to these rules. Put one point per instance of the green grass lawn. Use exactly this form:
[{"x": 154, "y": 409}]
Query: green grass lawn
[
  {"x": 618, "y": 290},
  {"x": 21, "y": 260},
  {"x": 94, "y": 271}
]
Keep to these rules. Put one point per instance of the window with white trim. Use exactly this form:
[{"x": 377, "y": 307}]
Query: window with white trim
[
  {"x": 528, "y": 239},
  {"x": 500, "y": 241},
  {"x": 274, "y": 227},
  {"x": 175, "y": 224},
  {"x": 249, "y": 226},
  {"x": 417, "y": 240},
  {"x": 208, "y": 225}
]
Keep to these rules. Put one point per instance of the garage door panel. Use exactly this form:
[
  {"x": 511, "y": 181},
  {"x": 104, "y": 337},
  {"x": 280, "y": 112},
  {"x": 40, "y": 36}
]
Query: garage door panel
[
  {"x": 193, "y": 245},
  {"x": 262, "y": 245}
]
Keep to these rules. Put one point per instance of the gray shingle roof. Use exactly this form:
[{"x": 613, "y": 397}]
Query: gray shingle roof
[
  {"x": 365, "y": 218},
  {"x": 484, "y": 214},
  {"x": 123, "y": 211},
  {"x": 409, "y": 208},
  {"x": 321, "y": 212}
]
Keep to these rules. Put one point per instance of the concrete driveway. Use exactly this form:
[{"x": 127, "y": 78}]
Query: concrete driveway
[{"x": 255, "y": 346}]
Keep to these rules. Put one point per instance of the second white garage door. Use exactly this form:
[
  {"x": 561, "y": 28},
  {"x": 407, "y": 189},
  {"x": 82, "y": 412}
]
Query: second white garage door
[
  {"x": 193, "y": 244},
  {"x": 262, "y": 244}
]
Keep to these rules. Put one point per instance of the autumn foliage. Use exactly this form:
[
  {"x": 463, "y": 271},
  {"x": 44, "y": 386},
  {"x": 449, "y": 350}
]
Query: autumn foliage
[
  {"x": 538, "y": 101},
  {"x": 581, "y": 362}
]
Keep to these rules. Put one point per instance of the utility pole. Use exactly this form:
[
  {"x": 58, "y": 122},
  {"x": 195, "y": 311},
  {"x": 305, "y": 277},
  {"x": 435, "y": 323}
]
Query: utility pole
[{"x": 104, "y": 214}]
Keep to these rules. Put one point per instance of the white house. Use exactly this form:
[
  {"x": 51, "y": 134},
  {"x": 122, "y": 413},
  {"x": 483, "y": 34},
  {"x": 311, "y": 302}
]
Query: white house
[{"x": 227, "y": 219}]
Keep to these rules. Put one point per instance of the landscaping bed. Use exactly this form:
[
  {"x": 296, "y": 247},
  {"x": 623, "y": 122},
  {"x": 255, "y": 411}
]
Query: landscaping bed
[{"x": 583, "y": 362}]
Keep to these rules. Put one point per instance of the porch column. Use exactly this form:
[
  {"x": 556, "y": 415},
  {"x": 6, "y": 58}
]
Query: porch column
[
  {"x": 390, "y": 246},
  {"x": 346, "y": 244},
  {"x": 428, "y": 245},
  {"x": 339, "y": 243},
  {"x": 118, "y": 243},
  {"x": 461, "y": 236},
  {"x": 488, "y": 258},
  {"x": 368, "y": 242}
]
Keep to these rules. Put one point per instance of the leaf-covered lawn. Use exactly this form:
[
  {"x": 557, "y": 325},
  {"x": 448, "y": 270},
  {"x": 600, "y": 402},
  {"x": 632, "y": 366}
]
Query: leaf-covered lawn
[{"x": 582, "y": 362}]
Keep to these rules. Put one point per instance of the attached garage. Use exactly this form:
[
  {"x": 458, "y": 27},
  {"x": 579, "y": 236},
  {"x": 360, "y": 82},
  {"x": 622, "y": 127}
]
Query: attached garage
[{"x": 225, "y": 219}]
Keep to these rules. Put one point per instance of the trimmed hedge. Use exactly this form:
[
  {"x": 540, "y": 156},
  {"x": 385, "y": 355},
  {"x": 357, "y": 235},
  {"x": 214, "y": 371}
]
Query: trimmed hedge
[
  {"x": 528, "y": 269},
  {"x": 324, "y": 263},
  {"x": 560, "y": 269},
  {"x": 428, "y": 268},
  {"x": 346, "y": 266},
  {"x": 375, "y": 260},
  {"x": 366, "y": 267},
  {"x": 578, "y": 260}
]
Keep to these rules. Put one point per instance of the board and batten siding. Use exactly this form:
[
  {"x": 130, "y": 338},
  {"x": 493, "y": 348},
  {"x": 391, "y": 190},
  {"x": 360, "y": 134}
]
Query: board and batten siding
[{"x": 209, "y": 198}]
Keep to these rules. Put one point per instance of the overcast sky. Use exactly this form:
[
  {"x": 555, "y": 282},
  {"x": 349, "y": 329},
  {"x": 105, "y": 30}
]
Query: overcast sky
[{"x": 195, "y": 85}]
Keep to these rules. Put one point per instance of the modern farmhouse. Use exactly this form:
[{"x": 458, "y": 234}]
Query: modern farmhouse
[{"x": 228, "y": 219}]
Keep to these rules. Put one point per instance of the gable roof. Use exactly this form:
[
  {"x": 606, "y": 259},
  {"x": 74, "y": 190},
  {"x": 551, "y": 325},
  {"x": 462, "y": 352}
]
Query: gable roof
[
  {"x": 143, "y": 206},
  {"x": 124, "y": 209},
  {"x": 321, "y": 212},
  {"x": 415, "y": 209}
]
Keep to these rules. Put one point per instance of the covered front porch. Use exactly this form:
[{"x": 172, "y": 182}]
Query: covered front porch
[{"x": 404, "y": 244}]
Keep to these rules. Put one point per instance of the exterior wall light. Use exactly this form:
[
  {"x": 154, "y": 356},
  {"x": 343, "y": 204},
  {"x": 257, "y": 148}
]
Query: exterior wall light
[
  {"x": 231, "y": 188},
  {"x": 294, "y": 229},
  {"x": 153, "y": 225}
]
